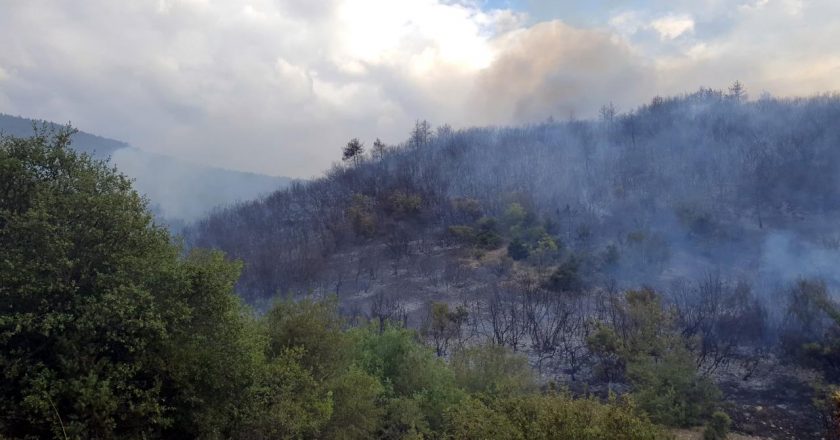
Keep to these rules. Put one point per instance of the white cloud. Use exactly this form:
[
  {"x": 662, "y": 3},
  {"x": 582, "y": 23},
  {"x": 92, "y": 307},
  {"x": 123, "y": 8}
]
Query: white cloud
[
  {"x": 268, "y": 86},
  {"x": 753, "y": 5},
  {"x": 669, "y": 26},
  {"x": 673, "y": 26},
  {"x": 626, "y": 23}
]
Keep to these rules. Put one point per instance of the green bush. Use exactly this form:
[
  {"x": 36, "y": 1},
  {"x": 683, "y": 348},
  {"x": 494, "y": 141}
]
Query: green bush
[
  {"x": 493, "y": 370},
  {"x": 566, "y": 278},
  {"x": 718, "y": 427},
  {"x": 518, "y": 250},
  {"x": 472, "y": 419},
  {"x": 670, "y": 390},
  {"x": 550, "y": 416},
  {"x": 404, "y": 420},
  {"x": 487, "y": 236}
]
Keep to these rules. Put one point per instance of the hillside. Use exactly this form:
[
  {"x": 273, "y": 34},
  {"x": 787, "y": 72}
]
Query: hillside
[
  {"x": 527, "y": 236},
  {"x": 179, "y": 191},
  {"x": 672, "y": 191}
]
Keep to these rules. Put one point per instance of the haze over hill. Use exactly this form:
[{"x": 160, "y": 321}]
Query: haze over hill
[
  {"x": 679, "y": 188},
  {"x": 179, "y": 191}
]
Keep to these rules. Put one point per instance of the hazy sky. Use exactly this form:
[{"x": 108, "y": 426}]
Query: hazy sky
[{"x": 278, "y": 86}]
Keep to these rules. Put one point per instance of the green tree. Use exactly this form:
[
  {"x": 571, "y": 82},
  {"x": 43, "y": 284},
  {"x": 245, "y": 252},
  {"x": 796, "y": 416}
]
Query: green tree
[
  {"x": 288, "y": 402},
  {"x": 84, "y": 282},
  {"x": 472, "y": 419},
  {"x": 644, "y": 344},
  {"x": 216, "y": 355},
  {"x": 314, "y": 327},
  {"x": 411, "y": 373},
  {"x": 105, "y": 331},
  {"x": 353, "y": 151},
  {"x": 358, "y": 408}
]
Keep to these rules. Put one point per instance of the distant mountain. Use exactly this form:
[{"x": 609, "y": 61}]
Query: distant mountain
[
  {"x": 96, "y": 146},
  {"x": 178, "y": 191}
]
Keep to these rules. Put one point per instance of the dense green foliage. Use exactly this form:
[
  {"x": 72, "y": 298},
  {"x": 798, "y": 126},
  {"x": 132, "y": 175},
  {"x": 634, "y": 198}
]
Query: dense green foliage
[
  {"x": 107, "y": 330},
  {"x": 95, "y": 300},
  {"x": 548, "y": 416}
]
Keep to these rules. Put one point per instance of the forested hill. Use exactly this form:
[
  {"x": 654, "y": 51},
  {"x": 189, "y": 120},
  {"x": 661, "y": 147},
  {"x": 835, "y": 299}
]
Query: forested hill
[
  {"x": 708, "y": 182},
  {"x": 179, "y": 191}
]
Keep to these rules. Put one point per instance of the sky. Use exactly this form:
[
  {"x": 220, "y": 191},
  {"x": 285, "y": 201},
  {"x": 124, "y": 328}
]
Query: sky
[{"x": 279, "y": 86}]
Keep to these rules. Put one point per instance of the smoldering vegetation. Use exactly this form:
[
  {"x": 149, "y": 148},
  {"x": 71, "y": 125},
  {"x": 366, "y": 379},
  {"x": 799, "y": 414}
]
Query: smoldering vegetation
[{"x": 720, "y": 209}]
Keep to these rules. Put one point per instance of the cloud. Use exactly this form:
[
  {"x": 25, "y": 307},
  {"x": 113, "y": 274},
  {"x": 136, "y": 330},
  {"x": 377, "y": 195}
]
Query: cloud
[
  {"x": 795, "y": 58},
  {"x": 269, "y": 86},
  {"x": 672, "y": 26},
  {"x": 277, "y": 86}
]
